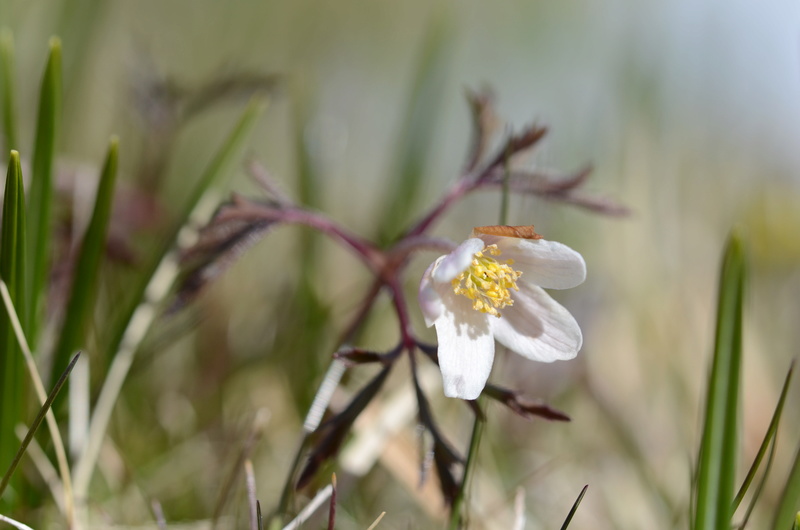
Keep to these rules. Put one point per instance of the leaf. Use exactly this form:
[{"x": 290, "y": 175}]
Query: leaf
[
  {"x": 574, "y": 508},
  {"x": 769, "y": 440},
  {"x": 484, "y": 121},
  {"x": 523, "y": 406},
  {"x": 220, "y": 164},
  {"x": 559, "y": 188},
  {"x": 225, "y": 157},
  {"x": 124, "y": 352},
  {"x": 226, "y": 238},
  {"x": 36, "y": 423},
  {"x": 335, "y": 429},
  {"x": 85, "y": 281},
  {"x": 417, "y": 134},
  {"x": 515, "y": 144},
  {"x": 41, "y": 190},
  {"x": 445, "y": 457},
  {"x": 7, "y": 91},
  {"x": 13, "y": 382},
  {"x": 788, "y": 510},
  {"x": 716, "y": 471},
  {"x": 353, "y": 356},
  {"x": 444, "y": 464}
]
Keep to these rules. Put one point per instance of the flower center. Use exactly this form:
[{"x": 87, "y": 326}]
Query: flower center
[{"x": 488, "y": 282}]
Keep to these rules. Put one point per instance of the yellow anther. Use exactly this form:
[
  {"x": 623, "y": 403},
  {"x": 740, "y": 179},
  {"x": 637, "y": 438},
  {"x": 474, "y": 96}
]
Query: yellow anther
[{"x": 488, "y": 282}]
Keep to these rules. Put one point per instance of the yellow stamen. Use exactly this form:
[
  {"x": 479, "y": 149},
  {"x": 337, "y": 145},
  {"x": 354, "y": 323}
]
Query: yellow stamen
[{"x": 488, "y": 282}]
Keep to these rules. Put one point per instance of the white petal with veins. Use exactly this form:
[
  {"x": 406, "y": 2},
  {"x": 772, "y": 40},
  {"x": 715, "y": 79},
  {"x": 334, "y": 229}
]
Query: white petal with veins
[
  {"x": 548, "y": 264},
  {"x": 537, "y": 327},
  {"x": 466, "y": 348}
]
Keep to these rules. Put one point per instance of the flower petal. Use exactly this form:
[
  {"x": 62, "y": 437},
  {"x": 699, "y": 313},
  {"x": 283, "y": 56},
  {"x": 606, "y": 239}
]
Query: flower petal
[
  {"x": 466, "y": 348},
  {"x": 549, "y": 264},
  {"x": 457, "y": 261},
  {"x": 429, "y": 299},
  {"x": 537, "y": 327}
]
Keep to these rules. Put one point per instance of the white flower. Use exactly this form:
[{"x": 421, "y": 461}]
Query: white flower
[{"x": 490, "y": 287}]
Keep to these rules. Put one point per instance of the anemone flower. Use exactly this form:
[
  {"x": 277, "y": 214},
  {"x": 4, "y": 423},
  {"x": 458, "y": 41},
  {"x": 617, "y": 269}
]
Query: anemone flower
[{"x": 491, "y": 287}]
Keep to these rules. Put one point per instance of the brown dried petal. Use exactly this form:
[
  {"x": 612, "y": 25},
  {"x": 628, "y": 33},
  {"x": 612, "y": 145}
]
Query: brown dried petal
[{"x": 520, "y": 232}]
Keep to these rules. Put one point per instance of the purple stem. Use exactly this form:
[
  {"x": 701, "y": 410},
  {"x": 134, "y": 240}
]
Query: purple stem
[
  {"x": 406, "y": 333},
  {"x": 369, "y": 254}
]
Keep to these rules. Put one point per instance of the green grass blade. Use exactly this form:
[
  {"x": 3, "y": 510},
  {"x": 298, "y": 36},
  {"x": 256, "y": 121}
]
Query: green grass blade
[
  {"x": 38, "y": 386},
  {"x": 417, "y": 134},
  {"x": 457, "y": 515},
  {"x": 788, "y": 511},
  {"x": 36, "y": 423},
  {"x": 716, "y": 470},
  {"x": 224, "y": 158},
  {"x": 84, "y": 284},
  {"x": 7, "y": 91},
  {"x": 125, "y": 338},
  {"x": 772, "y": 431},
  {"x": 12, "y": 270},
  {"x": 220, "y": 165},
  {"x": 574, "y": 508},
  {"x": 41, "y": 189}
]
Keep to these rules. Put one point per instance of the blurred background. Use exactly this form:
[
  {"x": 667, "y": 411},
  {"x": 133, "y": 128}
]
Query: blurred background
[{"x": 688, "y": 111}]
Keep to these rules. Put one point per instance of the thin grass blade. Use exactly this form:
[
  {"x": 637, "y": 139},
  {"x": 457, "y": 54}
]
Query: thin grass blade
[
  {"x": 41, "y": 189},
  {"x": 84, "y": 284},
  {"x": 788, "y": 511},
  {"x": 219, "y": 166},
  {"x": 36, "y": 423},
  {"x": 15, "y": 524},
  {"x": 126, "y": 338},
  {"x": 759, "y": 487},
  {"x": 769, "y": 437},
  {"x": 7, "y": 91},
  {"x": 58, "y": 445},
  {"x": 307, "y": 309},
  {"x": 457, "y": 512},
  {"x": 574, "y": 508},
  {"x": 12, "y": 269},
  {"x": 417, "y": 134},
  {"x": 225, "y": 157},
  {"x": 716, "y": 470}
]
